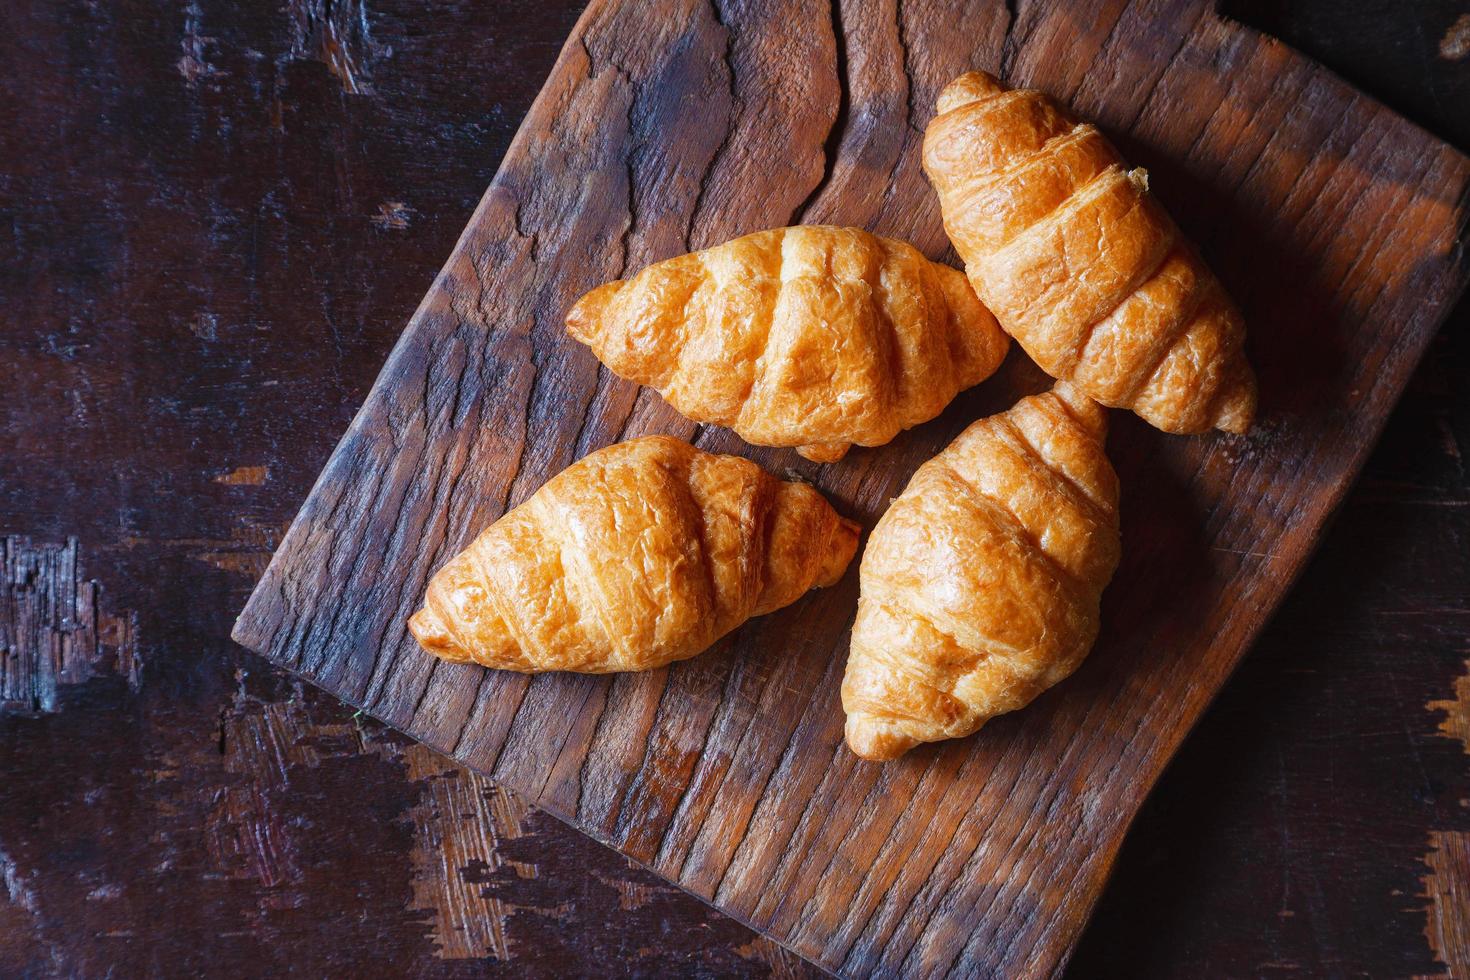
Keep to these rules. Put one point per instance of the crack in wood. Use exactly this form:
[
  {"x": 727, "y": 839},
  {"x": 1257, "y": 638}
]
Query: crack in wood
[
  {"x": 838, "y": 130},
  {"x": 470, "y": 715},
  {"x": 638, "y": 792},
  {"x": 52, "y": 633},
  {"x": 895, "y": 830},
  {"x": 915, "y": 112},
  {"x": 319, "y": 635},
  {"x": 472, "y": 340},
  {"x": 728, "y": 64},
  {"x": 336, "y": 33},
  {"x": 1011, "y": 45}
]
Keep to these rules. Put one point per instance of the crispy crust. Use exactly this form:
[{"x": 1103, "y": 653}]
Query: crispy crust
[
  {"x": 814, "y": 337},
  {"x": 980, "y": 585},
  {"x": 1080, "y": 264},
  {"x": 638, "y": 555}
]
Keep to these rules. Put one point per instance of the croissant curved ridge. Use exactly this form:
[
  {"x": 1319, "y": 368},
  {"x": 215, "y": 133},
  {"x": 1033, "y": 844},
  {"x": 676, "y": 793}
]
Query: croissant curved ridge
[
  {"x": 980, "y": 585},
  {"x": 1080, "y": 264},
  {"x": 814, "y": 337},
  {"x": 637, "y": 555}
]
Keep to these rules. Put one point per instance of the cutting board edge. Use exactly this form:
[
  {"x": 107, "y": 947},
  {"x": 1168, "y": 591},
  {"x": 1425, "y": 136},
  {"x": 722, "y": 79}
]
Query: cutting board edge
[
  {"x": 250, "y": 632},
  {"x": 1239, "y": 26}
]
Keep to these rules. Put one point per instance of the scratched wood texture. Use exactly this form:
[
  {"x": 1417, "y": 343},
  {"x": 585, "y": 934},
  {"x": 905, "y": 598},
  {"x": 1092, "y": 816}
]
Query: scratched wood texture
[
  {"x": 1335, "y": 223},
  {"x": 212, "y": 812}
]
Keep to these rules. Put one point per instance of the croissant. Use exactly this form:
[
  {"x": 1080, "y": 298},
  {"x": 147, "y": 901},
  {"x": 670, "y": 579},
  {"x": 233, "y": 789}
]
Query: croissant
[
  {"x": 1080, "y": 264},
  {"x": 638, "y": 555},
  {"x": 814, "y": 337},
  {"x": 980, "y": 585}
]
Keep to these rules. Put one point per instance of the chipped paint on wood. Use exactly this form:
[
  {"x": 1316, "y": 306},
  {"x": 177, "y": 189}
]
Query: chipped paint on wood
[
  {"x": 261, "y": 742},
  {"x": 336, "y": 33},
  {"x": 458, "y": 825},
  {"x": 634, "y": 894},
  {"x": 205, "y": 325},
  {"x": 194, "y": 65},
  {"x": 1455, "y": 44},
  {"x": 1447, "y": 887},
  {"x": 52, "y": 633},
  {"x": 245, "y": 476},
  {"x": 392, "y": 215},
  {"x": 246, "y": 552},
  {"x": 783, "y": 964},
  {"x": 16, "y": 890},
  {"x": 458, "y": 821},
  {"x": 1456, "y": 722}
]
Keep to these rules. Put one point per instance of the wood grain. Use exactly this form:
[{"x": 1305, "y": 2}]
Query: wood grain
[
  {"x": 52, "y": 633},
  {"x": 1337, "y": 225}
]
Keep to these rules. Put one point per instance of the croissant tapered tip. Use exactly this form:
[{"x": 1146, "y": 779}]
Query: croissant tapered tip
[
  {"x": 874, "y": 739},
  {"x": 840, "y": 549},
  {"x": 1237, "y": 410},
  {"x": 824, "y": 452},
  {"x": 1088, "y": 412},
  {"x": 584, "y": 319},
  {"x": 972, "y": 86},
  {"x": 431, "y": 633}
]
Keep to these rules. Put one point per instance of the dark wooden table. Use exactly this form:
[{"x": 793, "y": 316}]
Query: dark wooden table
[{"x": 214, "y": 220}]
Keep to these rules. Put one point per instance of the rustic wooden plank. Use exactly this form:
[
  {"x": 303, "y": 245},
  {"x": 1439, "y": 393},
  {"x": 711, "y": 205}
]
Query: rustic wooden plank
[
  {"x": 1336, "y": 224},
  {"x": 52, "y": 635}
]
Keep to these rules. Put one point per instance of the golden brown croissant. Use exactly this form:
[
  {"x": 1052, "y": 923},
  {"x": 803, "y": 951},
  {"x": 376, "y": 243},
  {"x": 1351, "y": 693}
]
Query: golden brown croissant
[
  {"x": 814, "y": 337},
  {"x": 980, "y": 585},
  {"x": 638, "y": 555},
  {"x": 1080, "y": 264}
]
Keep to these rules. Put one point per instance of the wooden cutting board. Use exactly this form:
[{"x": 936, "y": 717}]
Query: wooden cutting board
[{"x": 672, "y": 126}]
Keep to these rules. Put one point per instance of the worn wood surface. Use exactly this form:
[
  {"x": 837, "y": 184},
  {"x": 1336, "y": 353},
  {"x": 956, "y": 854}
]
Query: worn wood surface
[
  {"x": 174, "y": 179},
  {"x": 1336, "y": 224}
]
